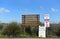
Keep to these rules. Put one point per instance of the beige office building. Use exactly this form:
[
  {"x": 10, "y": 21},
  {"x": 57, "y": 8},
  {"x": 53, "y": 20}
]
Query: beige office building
[{"x": 30, "y": 20}]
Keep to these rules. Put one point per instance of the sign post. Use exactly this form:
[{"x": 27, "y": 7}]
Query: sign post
[
  {"x": 46, "y": 20},
  {"x": 42, "y": 29}
]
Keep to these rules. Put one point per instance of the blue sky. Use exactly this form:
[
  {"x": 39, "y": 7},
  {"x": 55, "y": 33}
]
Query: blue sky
[{"x": 12, "y": 10}]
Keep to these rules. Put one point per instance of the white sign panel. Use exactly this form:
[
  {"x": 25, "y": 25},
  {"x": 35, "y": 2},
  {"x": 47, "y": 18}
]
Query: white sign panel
[
  {"x": 46, "y": 16},
  {"x": 42, "y": 31},
  {"x": 47, "y": 24}
]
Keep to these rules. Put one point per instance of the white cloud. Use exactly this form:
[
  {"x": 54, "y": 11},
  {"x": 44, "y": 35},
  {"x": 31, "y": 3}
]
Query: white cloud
[
  {"x": 24, "y": 10},
  {"x": 54, "y": 10},
  {"x": 41, "y": 8},
  {"x": 4, "y": 10}
]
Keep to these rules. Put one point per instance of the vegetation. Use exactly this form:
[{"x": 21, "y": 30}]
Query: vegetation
[
  {"x": 16, "y": 30},
  {"x": 53, "y": 30},
  {"x": 12, "y": 29},
  {"x": 1, "y": 26}
]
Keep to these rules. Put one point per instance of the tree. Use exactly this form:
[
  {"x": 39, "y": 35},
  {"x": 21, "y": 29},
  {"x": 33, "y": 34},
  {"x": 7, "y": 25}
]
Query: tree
[
  {"x": 52, "y": 30},
  {"x": 28, "y": 30},
  {"x": 12, "y": 29},
  {"x": 35, "y": 30},
  {"x": 1, "y": 26},
  {"x": 58, "y": 31}
]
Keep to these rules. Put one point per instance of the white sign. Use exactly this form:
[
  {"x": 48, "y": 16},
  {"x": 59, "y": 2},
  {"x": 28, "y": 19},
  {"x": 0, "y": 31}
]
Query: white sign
[
  {"x": 42, "y": 31},
  {"x": 47, "y": 24},
  {"x": 46, "y": 16},
  {"x": 46, "y": 20}
]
